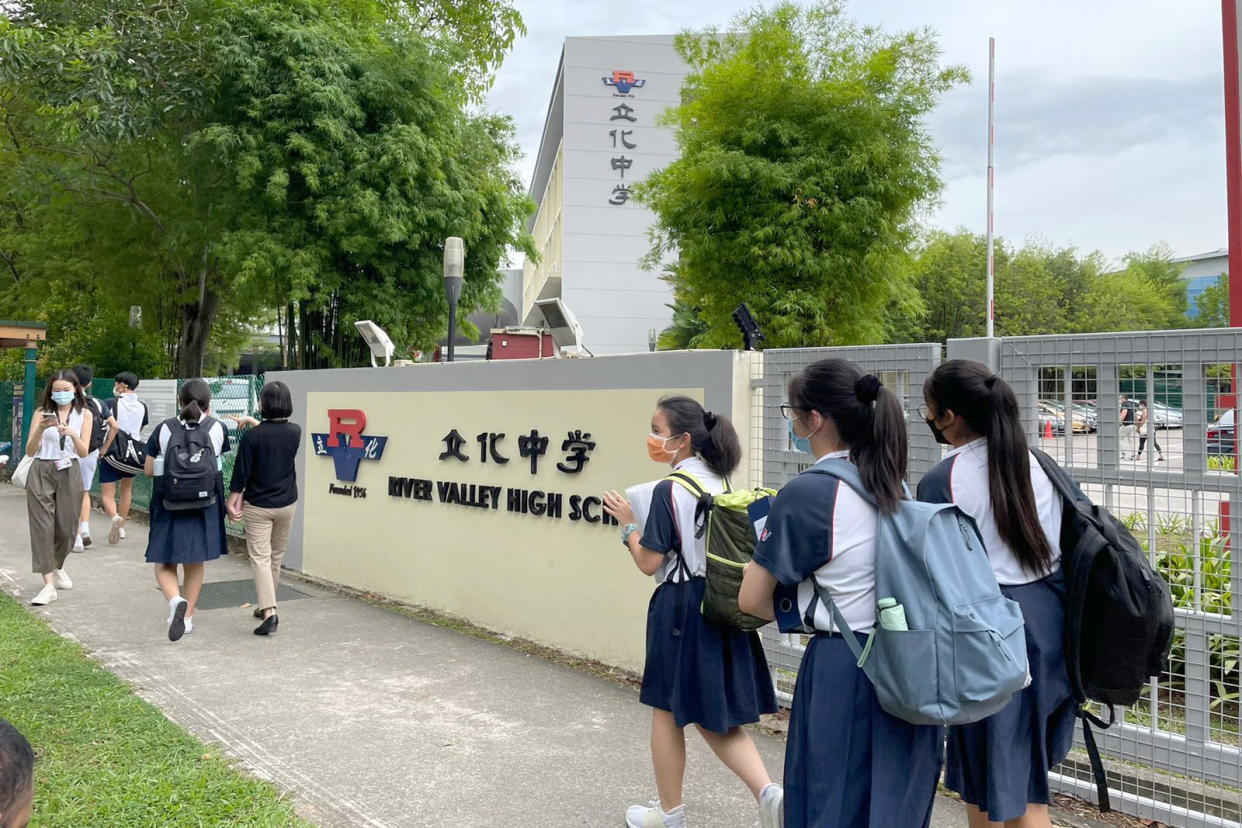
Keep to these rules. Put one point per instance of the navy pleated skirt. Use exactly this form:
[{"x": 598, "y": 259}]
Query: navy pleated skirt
[
  {"x": 848, "y": 764},
  {"x": 182, "y": 537},
  {"x": 1001, "y": 763},
  {"x": 702, "y": 672}
]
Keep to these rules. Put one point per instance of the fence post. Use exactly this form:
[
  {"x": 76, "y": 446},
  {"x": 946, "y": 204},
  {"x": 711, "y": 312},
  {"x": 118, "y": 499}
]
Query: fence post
[
  {"x": 28, "y": 399},
  {"x": 980, "y": 349}
]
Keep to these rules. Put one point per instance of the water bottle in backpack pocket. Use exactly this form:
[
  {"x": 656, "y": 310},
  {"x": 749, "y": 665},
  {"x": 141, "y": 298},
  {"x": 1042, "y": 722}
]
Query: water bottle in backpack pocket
[
  {"x": 963, "y": 654},
  {"x": 191, "y": 466}
]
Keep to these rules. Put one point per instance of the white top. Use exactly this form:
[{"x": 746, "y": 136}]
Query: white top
[
  {"x": 968, "y": 486},
  {"x": 50, "y": 446},
  {"x": 129, "y": 414},
  {"x": 670, "y": 522},
  {"x": 164, "y": 434},
  {"x": 821, "y": 530}
]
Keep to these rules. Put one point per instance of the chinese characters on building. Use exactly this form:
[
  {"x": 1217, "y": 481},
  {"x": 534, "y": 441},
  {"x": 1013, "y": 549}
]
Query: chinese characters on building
[
  {"x": 622, "y": 139},
  {"x": 532, "y": 446}
]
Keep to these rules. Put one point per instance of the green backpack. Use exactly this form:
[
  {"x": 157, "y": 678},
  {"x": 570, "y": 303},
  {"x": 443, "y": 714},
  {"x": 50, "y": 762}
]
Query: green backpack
[{"x": 730, "y": 546}]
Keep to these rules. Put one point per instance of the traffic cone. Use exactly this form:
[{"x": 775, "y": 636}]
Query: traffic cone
[{"x": 1047, "y": 429}]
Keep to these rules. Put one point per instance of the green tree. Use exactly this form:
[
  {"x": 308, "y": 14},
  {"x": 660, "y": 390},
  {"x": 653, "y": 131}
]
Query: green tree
[
  {"x": 804, "y": 159},
  {"x": 949, "y": 272},
  {"x": 1029, "y": 294},
  {"x": 1213, "y": 305},
  {"x": 1124, "y": 301},
  {"x": 1155, "y": 267},
  {"x": 232, "y": 160}
]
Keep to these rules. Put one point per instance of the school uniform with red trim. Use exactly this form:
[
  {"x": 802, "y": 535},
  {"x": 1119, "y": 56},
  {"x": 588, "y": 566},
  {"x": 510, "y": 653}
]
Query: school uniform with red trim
[
  {"x": 702, "y": 672},
  {"x": 848, "y": 764},
  {"x": 1001, "y": 763}
]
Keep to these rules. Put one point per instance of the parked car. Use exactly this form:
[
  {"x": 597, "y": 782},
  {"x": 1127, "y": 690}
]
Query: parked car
[
  {"x": 1049, "y": 413},
  {"x": 1166, "y": 416},
  {"x": 1083, "y": 421},
  {"x": 1221, "y": 436}
]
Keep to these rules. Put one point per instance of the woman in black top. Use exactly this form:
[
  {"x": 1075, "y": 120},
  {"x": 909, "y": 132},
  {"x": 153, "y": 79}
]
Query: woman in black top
[{"x": 265, "y": 493}]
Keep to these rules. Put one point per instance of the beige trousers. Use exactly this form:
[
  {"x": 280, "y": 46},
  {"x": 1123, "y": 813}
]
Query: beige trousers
[
  {"x": 267, "y": 538},
  {"x": 53, "y": 506}
]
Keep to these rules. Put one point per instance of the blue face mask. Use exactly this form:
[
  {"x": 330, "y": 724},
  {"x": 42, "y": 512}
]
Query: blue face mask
[
  {"x": 802, "y": 444},
  {"x": 62, "y": 397}
]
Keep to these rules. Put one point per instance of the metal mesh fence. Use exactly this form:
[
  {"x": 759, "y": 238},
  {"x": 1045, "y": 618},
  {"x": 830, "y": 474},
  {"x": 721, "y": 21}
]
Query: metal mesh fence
[{"x": 1171, "y": 477}]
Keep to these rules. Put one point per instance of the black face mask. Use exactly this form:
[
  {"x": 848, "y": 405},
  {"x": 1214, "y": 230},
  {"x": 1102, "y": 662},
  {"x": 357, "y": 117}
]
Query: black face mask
[{"x": 936, "y": 432}]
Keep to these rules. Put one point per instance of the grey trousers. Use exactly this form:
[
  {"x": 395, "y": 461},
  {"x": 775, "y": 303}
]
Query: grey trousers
[{"x": 53, "y": 505}]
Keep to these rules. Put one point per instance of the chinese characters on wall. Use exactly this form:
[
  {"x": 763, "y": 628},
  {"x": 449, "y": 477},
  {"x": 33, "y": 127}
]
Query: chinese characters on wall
[{"x": 621, "y": 138}]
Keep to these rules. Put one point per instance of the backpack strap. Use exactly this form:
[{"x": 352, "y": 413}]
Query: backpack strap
[{"x": 706, "y": 501}]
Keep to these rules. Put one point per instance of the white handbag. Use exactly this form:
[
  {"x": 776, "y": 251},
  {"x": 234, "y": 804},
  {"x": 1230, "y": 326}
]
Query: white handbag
[{"x": 22, "y": 472}]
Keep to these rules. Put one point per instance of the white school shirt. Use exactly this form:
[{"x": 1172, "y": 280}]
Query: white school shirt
[
  {"x": 164, "y": 434},
  {"x": 129, "y": 413},
  {"x": 821, "y": 530},
  {"x": 670, "y": 521},
  {"x": 50, "y": 444},
  {"x": 962, "y": 479}
]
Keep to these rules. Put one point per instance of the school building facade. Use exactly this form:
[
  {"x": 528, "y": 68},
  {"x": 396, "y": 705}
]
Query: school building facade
[{"x": 600, "y": 137}]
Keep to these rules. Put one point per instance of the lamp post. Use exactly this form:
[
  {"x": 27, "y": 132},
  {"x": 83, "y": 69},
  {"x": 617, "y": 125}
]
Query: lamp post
[{"x": 454, "y": 263}]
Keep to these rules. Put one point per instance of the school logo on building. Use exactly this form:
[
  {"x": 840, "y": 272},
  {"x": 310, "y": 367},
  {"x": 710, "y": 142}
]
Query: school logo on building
[
  {"x": 346, "y": 444},
  {"x": 623, "y": 82}
]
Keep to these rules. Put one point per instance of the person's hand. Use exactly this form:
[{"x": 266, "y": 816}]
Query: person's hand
[
  {"x": 616, "y": 505},
  {"x": 65, "y": 430},
  {"x": 48, "y": 422},
  {"x": 234, "y": 506},
  {"x": 243, "y": 420}
]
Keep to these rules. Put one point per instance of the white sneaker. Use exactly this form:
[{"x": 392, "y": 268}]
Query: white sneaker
[
  {"x": 122, "y": 533},
  {"x": 46, "y": 596},
  {"x": 652, "y": 816},
  {"x": 189, "y": 626},
  {"x": 78, "y": 546},
  {"x": 115, "y": 533},
  {"x": 60, "y": 578},
  {"x": 771, "y": 810}
]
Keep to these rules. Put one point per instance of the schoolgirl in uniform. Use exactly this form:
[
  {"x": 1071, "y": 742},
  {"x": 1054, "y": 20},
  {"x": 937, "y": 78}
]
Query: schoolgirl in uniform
[
  {"x": 1000, "y": 765},
  {"x": 696, "y": 672},
  {"x": 848, "y": 764},
  {"x": 189, "y": 538},
  {"x": 59, "y": 439}
]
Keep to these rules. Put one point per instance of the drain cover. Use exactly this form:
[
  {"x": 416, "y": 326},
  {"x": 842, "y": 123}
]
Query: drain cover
[{"x": 232, "y": 594}]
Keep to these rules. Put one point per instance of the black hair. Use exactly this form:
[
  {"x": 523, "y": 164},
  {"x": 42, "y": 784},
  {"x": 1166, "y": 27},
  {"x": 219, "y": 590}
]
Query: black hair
[
  {"x": 711, "y": 436},
  {"x": 987, "y": 403},
  {"x": 128, "y": 379},
  {"x": 275, "y": 401},
  {"x": 195, "y": 398},
  {"x": 868, "y": 417},
  {"x": 85, "y": 376},
  {"x": 67, "y": 376},
  {"x": 16, "y": 769}
]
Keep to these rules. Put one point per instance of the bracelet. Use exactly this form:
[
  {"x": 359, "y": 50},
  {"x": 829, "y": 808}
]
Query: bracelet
[{"x": 627, "y": 530}]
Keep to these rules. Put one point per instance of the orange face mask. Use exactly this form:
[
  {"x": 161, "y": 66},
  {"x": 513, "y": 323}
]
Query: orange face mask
[{"x": 656, "y": 448}]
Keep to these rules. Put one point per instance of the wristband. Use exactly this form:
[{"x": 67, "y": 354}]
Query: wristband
[{"x": 627, "y": 530}]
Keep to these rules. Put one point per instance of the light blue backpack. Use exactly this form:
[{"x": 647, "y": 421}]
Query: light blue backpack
[{"x": 963, "y": 655}]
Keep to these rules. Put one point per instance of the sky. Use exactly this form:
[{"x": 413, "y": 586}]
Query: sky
[{"x": 1109, "y": 115}]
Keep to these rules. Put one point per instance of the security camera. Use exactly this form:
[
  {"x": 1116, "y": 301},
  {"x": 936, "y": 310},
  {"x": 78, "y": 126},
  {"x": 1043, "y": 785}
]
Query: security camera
[{"x": 379, "y": 343}]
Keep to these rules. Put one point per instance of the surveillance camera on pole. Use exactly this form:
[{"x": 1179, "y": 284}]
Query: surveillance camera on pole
[
  {"x": 379, "y": 343},
  {"x": 454, "y": 265}
]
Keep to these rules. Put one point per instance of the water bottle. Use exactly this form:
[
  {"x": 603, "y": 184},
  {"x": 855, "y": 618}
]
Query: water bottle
[{"x": 892, "y": 614}]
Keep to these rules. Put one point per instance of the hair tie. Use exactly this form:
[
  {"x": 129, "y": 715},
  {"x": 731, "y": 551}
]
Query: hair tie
[
  {"x": 990, "y": 381},
  {"x": 709, "y": 420},
  {"x": 867, "y": 388}
]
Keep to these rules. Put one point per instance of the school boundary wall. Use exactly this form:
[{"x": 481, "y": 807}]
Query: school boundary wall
[{"x": 474, "y": 488}]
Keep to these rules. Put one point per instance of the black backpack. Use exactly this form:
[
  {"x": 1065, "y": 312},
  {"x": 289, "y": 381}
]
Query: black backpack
[
  {"x": 191, "y": 468},
  {"x": 1118, "y": 611},
  {"x": 100, "y": 425}
]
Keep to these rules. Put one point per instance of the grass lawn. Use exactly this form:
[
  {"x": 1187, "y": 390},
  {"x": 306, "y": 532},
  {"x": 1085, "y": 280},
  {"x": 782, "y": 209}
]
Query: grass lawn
[{"x": 107, "y": 758}]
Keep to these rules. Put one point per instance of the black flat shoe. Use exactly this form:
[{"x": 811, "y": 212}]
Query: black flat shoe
[
  {"x": 258, "y": 612},
  {"x": 268, "y": 626}
]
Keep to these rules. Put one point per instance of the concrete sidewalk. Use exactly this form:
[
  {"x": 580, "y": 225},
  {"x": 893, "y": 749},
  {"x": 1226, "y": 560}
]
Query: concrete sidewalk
[{"x": 370, "y": 718}]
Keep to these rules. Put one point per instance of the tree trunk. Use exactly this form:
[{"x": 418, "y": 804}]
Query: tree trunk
[{"x": 196, "y": 321}]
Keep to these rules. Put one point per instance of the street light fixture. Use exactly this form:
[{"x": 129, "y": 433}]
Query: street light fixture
[{"x": 454, "y": 264}]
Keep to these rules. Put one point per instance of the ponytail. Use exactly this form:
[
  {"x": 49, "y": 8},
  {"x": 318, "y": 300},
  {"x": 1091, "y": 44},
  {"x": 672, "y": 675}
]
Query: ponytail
[
  {"x": 195, "y": 399},
  {"x": 711, "y": 436},
  {"x": 868, "y": 417},
  {"x": 990, "y": 408}
]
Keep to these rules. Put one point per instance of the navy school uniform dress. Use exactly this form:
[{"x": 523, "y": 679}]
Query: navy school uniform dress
[
  {"x": 1001, "y": 763},
  {"x": 848, "y": 764},
  {"x": 190, "y": 536},
  {"x": 702, "y": 672}
]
